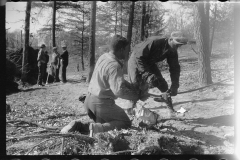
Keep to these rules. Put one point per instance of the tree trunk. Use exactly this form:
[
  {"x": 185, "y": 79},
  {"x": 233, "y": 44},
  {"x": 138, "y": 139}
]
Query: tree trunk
[
  {"x": 115, "y": 29},
  {"x": 213, "y": 28},
  {"x": 26, "y": 43},
  {"x": 203, "y": 45},
  {"x": 129, "y": 35},
  {"x": 142, "y": 25},
  {"x": 53, "y": 24},
  {"x": 121, "y": 18},
  {"x": 92, "y": 40},
  {"x": 83, "y": 39},
  {"x": 21, "y": 40}
]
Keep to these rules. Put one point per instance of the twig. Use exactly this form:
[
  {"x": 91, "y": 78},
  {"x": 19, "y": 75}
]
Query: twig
[
  {"x": 36, "y": 124},
  {"x": 79, "y": 136},
  {"x": 194, "y": 49},
  {"x": 36, "y": 146}
]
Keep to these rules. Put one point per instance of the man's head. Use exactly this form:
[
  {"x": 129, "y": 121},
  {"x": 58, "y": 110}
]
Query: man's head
[
  {"x": 54, "y": 49},
  {"x": 118, "y": 45},
  {"x": 64, "y": 45},
  {"x": 177, "y": 39},
  {"x": 43, "y": 47}
]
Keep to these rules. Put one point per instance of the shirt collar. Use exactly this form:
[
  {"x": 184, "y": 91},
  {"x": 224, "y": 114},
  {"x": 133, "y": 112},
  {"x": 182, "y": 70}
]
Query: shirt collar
[{"x": 111, "y": 55}]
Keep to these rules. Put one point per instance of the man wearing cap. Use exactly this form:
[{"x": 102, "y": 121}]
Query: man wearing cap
[
  {"x": 64, "y": 63},
  {"x": 143, "y": 71},
  {"x": 42, "y": 62},
  {"x": 55, "y": 64}
]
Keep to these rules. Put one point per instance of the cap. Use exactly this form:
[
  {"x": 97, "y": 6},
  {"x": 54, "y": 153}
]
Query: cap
[
  {"x": 179, "y": 38},
  {"x": 54, "y": 48},
  {"x": 42, "y": 46}
]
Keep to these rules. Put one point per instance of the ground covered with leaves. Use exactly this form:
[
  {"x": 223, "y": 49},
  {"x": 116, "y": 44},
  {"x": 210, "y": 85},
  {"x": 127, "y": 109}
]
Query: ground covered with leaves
[{"x": 38, "y": 113}]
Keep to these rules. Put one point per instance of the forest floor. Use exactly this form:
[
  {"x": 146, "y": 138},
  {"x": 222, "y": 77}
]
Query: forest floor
[{"x": 207, "y": 127}]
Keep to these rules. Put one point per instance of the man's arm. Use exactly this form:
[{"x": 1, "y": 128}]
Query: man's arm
[
  {"x": 174, "y": 69},
  {"x": 119, "y": 86}
]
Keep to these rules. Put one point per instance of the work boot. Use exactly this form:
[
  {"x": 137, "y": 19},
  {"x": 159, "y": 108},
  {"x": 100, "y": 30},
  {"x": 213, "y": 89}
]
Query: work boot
[
  {"x": 75, "y": 126},
  {"x": 95, "y": 128}
]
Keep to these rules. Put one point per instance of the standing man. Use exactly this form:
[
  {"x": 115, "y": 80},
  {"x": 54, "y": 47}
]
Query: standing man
[
  {"x": 143, "y": 71},
  {"x": 42, "y": 62},
  {"x": 55, "y": 64},
  {"x": 106, "y": 85},
  {"x": 64, "y": 62}
]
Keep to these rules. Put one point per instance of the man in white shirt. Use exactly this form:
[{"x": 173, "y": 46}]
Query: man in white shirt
[{"x": 106, "y": 85}]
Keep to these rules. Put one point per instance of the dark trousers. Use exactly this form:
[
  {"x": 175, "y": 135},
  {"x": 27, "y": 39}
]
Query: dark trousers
[
  {"x": 63, "y": 73},
  {"x": 56, "y": 76},
  {"x": 41, "y": 73},
  {"x": 106, "y": 114}
]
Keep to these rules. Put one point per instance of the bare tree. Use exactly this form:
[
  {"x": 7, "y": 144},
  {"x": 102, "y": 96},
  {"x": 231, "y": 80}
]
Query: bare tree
[
  {"x": 53, "y": 24},
  {"x": 26, "y": 42},
  {"x": 142, "y": 25},
  {"x": 116, "y": 18},
  {"x": 129, "y": 34},
  {"x": 203, "y": 44},
  {"x": 213, "y": 28},
  {"x": 92, "y": 41},
  {"x": 82, "y": 38}
]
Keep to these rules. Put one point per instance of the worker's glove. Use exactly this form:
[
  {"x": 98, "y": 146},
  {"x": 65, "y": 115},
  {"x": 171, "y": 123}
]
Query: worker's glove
[
  {"x": 162, "y": 86},
  {"x": 173, "y": 91},
  {"x": 143, "y": 94}
]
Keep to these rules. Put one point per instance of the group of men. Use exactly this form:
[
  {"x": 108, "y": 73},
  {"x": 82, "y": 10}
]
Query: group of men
[
  {"x": 59, "y": 61},
  {"x": 108, "y": 83}
]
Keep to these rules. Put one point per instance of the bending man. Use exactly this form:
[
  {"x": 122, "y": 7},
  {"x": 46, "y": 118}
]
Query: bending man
[{"x": 142, "y": 69}]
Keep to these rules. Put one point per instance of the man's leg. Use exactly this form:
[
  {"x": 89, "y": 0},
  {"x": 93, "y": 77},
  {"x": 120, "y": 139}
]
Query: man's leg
[
  {"x": 57, "y": 75},
  {"x": 63, "y": 73},
  {"x": 40, "y": 74}
]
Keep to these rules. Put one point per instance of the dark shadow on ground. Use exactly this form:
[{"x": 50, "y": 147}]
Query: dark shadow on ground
[
  {"x": 74, "y": 81},
  {"x": 188, "y": 59},
  {"x": 225, "y": 120},
  {"x": 195, "y": 101},
  {"x": 177, "y": 103},
  {"x": 209, "y": 139},
  {"x": 225, "y": 84},
  {"x": 31, "y": 89}
]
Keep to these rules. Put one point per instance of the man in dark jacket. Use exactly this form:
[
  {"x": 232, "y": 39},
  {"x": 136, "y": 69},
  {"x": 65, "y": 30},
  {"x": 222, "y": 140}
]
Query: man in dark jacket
[
  {"x": 64, "y": 63},
  {"x": 42, "y": 62},
  {"x": 143, "y": 71}
]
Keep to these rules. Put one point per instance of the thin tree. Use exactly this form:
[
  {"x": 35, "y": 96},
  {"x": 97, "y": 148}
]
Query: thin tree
[
  {"x": 92, "y": 40},
  {"x": 121, "y": 16},
  {"x": 116, "y": 18},
  {"x": 142, "y": 25},
  {"x": 213, "y": 27},
  {"x": 53, "y": 24},
  {"x": 203, "y": 44},
  {"x": 82, "y": 38},
  {"x": 129, "y": 34},
  {"x": 26, "y": 42}
]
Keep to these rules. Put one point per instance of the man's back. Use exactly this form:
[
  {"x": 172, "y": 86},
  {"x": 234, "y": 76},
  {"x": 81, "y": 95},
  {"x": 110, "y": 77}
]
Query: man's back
[{"x": 106, "y": 66}]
